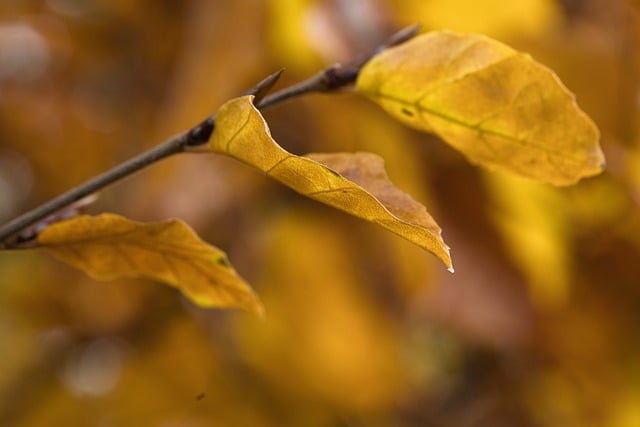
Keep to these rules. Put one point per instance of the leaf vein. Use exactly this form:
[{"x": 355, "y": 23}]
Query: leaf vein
[{"x": 478, "y": 128}]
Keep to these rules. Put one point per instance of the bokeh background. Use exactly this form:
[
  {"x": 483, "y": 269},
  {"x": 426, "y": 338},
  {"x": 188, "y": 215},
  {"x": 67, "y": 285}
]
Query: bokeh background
[{"x": 539, "y": 326}]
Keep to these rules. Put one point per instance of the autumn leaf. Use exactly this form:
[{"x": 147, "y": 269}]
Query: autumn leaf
[
  {"x": 367, "y": 170},
  {"x": 363, "y": 191},
  {"x": 499, "y": 107},
  {"x": 109, "y": 246}
]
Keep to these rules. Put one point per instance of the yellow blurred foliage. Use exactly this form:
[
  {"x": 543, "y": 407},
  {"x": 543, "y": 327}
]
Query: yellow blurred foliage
[
  {"x": 627, "y": 413},
  {"x": 533, "y": 221},
  {"x": 323, "y": 338},
  {"x": 288, "y": 36},
  {"x": 537, "y": 327},
  {"x": 495, "y": 18}
]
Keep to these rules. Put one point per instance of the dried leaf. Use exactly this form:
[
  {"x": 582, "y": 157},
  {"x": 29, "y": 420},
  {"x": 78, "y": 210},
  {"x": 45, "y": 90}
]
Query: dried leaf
[
  {"x": 242, "y": 133},
  {"x": 499, "y": 107},
  {"x": 109, "y": 246},
  {"x": 367, "y": 171}
]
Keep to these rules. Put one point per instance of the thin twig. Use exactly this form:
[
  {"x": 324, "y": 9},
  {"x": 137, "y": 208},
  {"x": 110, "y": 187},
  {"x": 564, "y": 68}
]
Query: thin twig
[
  {"x": 260, "y": 90},
  {"x": 337, "y": 76},
  {"x": 329, "y": 80},
  {"x": 171, "y": 146}
]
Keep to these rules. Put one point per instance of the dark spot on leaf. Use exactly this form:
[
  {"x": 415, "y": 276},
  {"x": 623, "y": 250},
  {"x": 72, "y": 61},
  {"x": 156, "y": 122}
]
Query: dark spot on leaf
[
  {"x": 222, "y": 261},
  {"x": 407, "y": 112},
  {"x": 200, "y": 396}
]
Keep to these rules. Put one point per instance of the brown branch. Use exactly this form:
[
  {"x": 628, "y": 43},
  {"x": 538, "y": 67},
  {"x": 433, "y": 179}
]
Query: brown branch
[
  {"x": 171, "y": 146},
  {"x": 337, "y": 76},
  {"x": 331, "y": 79}
]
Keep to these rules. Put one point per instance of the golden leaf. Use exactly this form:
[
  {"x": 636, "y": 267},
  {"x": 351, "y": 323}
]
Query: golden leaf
[
  {"x": 495, "y": 18},
  {"x": 109, "y": 246},
  {"x": 536, "y": 231},
  {"x": 242, "y": 133},
  {"x": 499, "y": 107}
]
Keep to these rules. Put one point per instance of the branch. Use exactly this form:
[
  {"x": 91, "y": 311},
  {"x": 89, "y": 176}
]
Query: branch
[
  {"x": 337, "y": 76},
  {"x": 171, "y": 146},
  {"x": 329, "y": 80}
]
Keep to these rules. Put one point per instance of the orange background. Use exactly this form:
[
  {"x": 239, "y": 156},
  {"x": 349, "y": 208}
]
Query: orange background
[{"x": 537, "y": 327}]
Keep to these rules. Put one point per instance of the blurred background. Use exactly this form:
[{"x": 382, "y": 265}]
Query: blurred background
[{"x": 539, "y": 326}]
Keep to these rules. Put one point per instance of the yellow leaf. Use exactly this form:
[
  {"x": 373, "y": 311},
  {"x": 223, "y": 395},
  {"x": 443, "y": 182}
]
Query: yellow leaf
[
  {"x": 109, "y": 246},
  {"x": 498, "y": 106},
  {"x": 242, "y": 133},
  {"x": 536, "y": 232}
]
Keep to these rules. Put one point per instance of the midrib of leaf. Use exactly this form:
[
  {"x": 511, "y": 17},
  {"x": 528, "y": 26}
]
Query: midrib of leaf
[{"x": 478, "y": 128}]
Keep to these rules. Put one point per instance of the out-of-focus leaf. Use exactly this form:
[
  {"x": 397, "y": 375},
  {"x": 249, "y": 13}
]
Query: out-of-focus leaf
[
  {"x": 109, "y": 246},
  {"x": 330, "y": 340},
  {"x": 289, "y": 34},
  {"x": 499, "y": 107},
  {"x": 495, "y": 18},
  {"x": 536, "y": 231},
  {"x": 242, "y": 133}
]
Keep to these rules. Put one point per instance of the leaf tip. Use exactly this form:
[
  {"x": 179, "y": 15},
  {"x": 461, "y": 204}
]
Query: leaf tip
[
  {"x": 253, "y": 306},
  {"x": 447, "y": 261}
]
